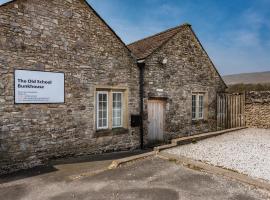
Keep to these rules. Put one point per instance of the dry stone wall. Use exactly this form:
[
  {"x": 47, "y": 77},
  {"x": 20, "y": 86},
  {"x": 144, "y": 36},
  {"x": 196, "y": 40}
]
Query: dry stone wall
[
  {"x": 257, "y": 109},
  {"x": 60, "y": 36}
]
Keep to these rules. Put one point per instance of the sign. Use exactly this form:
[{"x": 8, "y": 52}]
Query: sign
[{"x": 39, "y": 87}]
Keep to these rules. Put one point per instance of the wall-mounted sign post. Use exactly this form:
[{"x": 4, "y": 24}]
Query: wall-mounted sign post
[{"x": 35, "y": 87}]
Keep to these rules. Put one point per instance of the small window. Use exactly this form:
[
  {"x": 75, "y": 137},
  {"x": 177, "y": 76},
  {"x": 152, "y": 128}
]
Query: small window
[
  {"x": 117, "y": 109},
  {"x": 102, "y": 110},
  {"x": 111, "y": 107},
  {"x": 197, "y": 106}
]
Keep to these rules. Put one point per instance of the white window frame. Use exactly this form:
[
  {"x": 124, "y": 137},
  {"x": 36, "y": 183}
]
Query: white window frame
[
  {"x": 197, "y": 107},
  {"x": 97, "y": 100},
  {"x": 200, "y": 95},
  {"x": 121, "y": 125}
]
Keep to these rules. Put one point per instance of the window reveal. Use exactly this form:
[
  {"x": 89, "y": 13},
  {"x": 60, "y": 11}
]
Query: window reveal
[{"x": 193, "y": 106}]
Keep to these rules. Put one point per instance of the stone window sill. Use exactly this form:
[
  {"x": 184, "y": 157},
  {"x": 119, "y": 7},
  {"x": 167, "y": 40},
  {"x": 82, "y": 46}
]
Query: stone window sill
[
  {"x": 110, "y": 132},
  {"x": 199, "y": 121}
]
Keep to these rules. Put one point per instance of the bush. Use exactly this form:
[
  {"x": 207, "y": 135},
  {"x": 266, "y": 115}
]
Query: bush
[{"x": 240, "y": 88}]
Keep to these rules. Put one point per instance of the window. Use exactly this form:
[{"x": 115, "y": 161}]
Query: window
[
  {"x": 197, "y": 106},
  {"x": 111, "y": 108},
  {"x": 117, "y": 110},
  {"x": 102, "y": 110}
]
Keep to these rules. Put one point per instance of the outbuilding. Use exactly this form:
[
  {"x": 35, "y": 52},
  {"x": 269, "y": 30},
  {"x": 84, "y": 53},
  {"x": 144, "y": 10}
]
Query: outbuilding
[{"x": 180, "y": 85}]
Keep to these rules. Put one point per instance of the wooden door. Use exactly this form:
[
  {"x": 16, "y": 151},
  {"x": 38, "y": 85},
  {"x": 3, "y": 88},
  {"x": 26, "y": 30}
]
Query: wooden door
[{"x": 155, "y": 120}]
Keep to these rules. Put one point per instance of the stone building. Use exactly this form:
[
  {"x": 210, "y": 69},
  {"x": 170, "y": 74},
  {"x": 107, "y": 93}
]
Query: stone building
[
  {"x": 168, "y": 79},
  {"x": 180, "y": 84},
  {"x": 64, "y": 36}
]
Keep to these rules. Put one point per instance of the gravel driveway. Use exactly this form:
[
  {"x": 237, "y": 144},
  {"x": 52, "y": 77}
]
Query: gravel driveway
[{"x": 246, "y": 151}]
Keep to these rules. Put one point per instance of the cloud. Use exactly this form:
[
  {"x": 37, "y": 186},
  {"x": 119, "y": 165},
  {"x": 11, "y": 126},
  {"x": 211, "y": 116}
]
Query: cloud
[
  {"x": 242, "y": 44},
  {"x": 243, "y": 38},
  {"x": 237, "y": 58}
]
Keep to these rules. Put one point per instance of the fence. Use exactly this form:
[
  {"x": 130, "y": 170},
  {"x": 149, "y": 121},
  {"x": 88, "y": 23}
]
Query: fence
[{"x": 230, "y": 111}]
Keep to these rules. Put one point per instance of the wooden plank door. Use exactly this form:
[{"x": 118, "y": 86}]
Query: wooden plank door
[
  {"x": 230, "y": 111},
  {"x": 155, "y": 120}
]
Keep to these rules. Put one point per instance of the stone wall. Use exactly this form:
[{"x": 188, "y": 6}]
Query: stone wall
[
  {"x": 258, "y": 109},
  {"x": 188, "y": 70},
  {"x": 65, "y": 36}
]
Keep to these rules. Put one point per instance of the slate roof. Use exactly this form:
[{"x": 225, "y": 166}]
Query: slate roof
[{"x": 145, "y": 47}]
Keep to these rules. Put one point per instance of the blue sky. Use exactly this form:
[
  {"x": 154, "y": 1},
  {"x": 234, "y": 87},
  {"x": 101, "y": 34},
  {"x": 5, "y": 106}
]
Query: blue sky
[{"x": 235, "y": 33}]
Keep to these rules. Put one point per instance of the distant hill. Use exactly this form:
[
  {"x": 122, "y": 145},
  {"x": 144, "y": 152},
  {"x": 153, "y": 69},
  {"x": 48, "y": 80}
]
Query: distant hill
[{"x": 248, "y": 78}]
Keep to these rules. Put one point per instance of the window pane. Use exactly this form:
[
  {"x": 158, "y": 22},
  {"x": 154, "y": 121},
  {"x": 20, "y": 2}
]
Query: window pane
[
  {"x": 104, "y": 122},
  {"x": 118, "y": 121},
  {"x": 102, "y": 104},
  {"x": 114, "y": 122},
  {"x": 104, "y": 97},
  {"x": 104, "y": 114},
  {"x": 200, "y": 106},
  {"x": 117, "y": 109},
  {"x": 100, "y": 114}
]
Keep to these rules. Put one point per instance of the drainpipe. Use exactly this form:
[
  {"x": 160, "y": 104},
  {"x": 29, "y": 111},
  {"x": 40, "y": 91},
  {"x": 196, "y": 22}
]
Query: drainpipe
[{"x": 141, "y": 66}]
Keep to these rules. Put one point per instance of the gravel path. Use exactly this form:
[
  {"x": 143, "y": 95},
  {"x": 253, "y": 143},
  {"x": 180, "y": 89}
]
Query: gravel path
[{"x": 246, "y": 151}]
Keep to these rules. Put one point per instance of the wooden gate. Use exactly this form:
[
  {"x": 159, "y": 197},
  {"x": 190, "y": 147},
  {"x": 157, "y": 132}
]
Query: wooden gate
[
  {"x": 230, "y": 111},
  {"x": 155, "y": 120}
]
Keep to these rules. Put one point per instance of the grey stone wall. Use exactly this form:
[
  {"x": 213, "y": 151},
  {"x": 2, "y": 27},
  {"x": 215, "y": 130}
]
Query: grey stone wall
[
  {"x": 65, "y": 36},
  {"x": 188, "y": 70},
  {"x": 257, "y": 109}
]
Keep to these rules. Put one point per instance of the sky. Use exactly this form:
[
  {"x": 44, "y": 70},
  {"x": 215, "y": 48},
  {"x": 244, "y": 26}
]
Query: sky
[{"x": 235, "y": 33}]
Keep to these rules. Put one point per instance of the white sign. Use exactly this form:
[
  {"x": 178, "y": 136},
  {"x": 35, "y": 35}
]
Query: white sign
[{"x": 39, "y": 87}]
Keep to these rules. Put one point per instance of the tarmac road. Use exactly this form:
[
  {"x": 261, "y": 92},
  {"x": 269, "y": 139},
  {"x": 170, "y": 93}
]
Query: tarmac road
[{"x": 148, "y": 179}]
